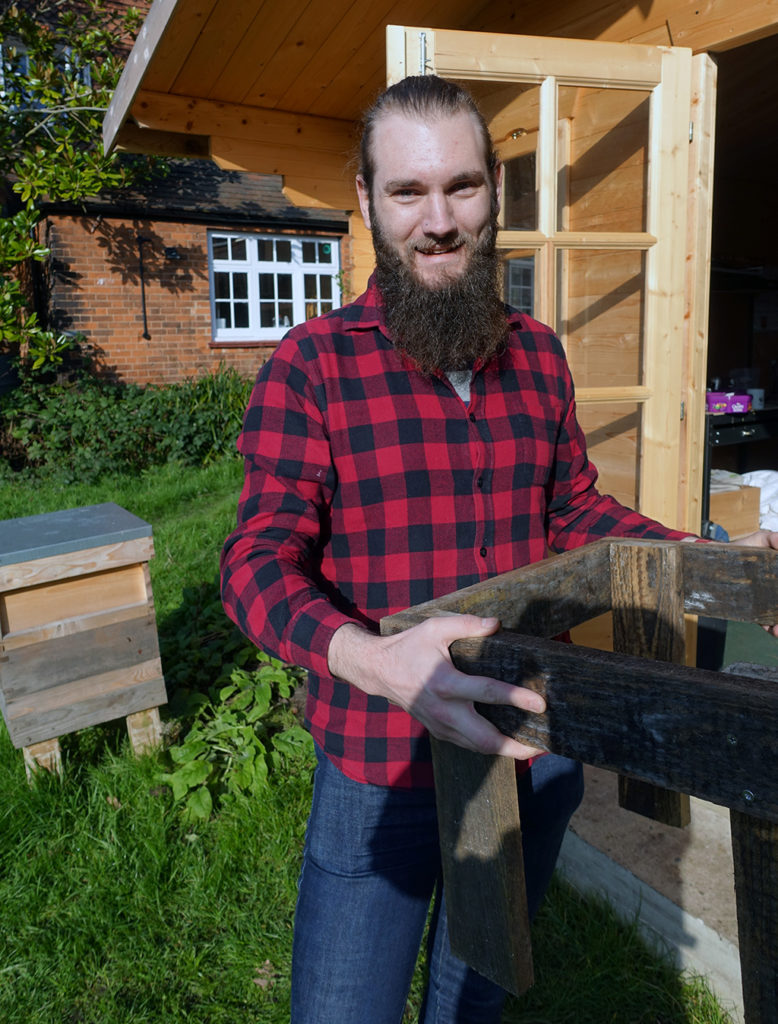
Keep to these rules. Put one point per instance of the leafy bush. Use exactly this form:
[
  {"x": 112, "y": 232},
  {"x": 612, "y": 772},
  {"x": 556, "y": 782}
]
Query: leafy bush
[
  {"x": 233, "y": 706},
  {"x": 82, "y": 429}
]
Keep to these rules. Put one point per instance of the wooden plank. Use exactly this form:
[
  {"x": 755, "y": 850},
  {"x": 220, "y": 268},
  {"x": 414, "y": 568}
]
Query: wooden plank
[
  {"x": 483, "y": 867},
  {"x": 86, "y": 702},
  {"x": 755, "y": 857},
  {"x": 66, "y": 627},
  {"x": 237, "y": 121},
  {"x": 709, "y": 734},
  {"x": 665, "y": 279},
  {"x": 725, "y": 581},
  {"x": 648, "y": 622},
  {"x": 75, "y": 563},
  {"x": 543, "y": 599},
  {"x": 155, "y": 26},
  {"x": 38, "y": 667},
  {"x": 46, "y": 754},
  {"x": 145, "y": 730},
  {"x": 698, "y": 246},
  {"x": 471, "y": 55},
  {"x": 40, "y": 605}
]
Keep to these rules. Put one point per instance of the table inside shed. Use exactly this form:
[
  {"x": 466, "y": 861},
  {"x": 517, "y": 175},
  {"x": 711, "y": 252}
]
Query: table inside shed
[{"x": 78, "y": 635}]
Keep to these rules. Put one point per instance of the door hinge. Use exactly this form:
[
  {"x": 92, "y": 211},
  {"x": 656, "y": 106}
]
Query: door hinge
[
  {"x": 683, "y": 411},
  {"x": 691, "y": 131}
]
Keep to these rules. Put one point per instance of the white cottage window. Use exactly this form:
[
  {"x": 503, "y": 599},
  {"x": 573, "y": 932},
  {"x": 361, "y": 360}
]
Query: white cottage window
[{"x": 261, "y": 285}]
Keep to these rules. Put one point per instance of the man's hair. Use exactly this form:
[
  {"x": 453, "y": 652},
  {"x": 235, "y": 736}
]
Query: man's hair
[{"x": 422, "y": 97}]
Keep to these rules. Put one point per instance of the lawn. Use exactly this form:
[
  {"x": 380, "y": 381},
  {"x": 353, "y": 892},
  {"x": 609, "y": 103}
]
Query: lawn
[{"x": 118, "y": 909}]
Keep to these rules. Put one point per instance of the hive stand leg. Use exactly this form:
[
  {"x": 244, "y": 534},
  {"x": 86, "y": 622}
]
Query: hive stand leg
[
  {"x": 648, "y": 622},
  {"x": 46, "y": 754},
  {"x": 755, "y": 855},
  {"x": 145, "y": 730},
  {"x": 483, "y": 866}
]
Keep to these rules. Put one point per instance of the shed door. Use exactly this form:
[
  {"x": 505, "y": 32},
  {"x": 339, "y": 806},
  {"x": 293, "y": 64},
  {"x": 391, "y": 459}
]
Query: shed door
[{"x": 596, "y": 230}]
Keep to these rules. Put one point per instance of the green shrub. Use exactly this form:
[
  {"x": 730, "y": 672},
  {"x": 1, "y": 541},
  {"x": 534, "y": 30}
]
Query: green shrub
[
  {"x": 233, "y": 707},
  {"x": 85, "y": 428}
]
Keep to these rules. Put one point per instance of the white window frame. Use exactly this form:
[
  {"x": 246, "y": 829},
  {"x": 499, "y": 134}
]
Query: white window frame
[{"x": 255, "y": 302}]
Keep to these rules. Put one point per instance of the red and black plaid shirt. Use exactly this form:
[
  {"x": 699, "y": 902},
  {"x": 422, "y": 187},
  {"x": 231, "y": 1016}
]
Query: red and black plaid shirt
[{"x": 370, "y": 488}]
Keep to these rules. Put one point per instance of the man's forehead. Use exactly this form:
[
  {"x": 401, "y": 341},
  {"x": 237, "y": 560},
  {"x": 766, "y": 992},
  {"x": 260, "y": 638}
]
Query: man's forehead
[{"x": 394, "y": 125}]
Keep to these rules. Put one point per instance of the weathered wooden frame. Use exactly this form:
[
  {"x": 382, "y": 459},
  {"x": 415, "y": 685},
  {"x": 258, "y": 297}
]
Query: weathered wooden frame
[{"x": 669, "y": 729}]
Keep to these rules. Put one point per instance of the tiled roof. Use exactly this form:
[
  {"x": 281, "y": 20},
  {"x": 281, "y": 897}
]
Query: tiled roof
[{"x": 199, "y": 190}]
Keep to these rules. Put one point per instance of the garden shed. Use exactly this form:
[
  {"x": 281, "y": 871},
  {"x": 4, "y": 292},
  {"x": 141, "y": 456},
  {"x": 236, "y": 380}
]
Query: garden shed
[{"x": 605, "y": 114}]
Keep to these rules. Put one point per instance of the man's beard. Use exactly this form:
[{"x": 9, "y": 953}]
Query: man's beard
[{"x": 453, "y": 325}]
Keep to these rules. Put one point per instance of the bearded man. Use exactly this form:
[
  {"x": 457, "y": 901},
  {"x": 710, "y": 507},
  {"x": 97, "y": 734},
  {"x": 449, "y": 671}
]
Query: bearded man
[{"x": 417, "y": 441}]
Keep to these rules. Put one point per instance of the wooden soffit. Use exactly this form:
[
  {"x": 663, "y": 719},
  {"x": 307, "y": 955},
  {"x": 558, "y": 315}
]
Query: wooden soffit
[{"x": 279, "y": 88}]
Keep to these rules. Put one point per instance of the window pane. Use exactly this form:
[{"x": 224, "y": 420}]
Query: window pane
[
  {"x": 520, "y": 194},
  {"x": 283, "y": 251},
  {"x": 241, "y": 314},
  {"x": 284, "y": 286},
  {"x": 223, "y": 315},
  {"x": 239, "y": 248},
  {"x": 311, "y": 310},
  {"x": 309, "y": 252},
  {"x": 285, "y": 314},
  {"x": 325, "y": 252},
  {"x": 221, "y": 286},
  {"x": 220, "y": 251},
  {"x": 265, "y": 249},
  {"x": 326, "y": 307},
  {"x": 325, "y": 287},
  {"x": 310, "y": 287},
  {"x": 600, "y": 315},
  {"x": 267, "y": 286},
  {"x": 519, "y": 279},
  {"x": 267, "y": 314},
  {"x": 603, "y": 146},
  {"x": 240, "y": 286}
]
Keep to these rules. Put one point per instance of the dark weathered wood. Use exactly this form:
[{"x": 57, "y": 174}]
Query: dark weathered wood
[
  {"x": 712, "y": 735},
  {"x": 483, "y": 867},
  {"x": 543, "y": 599},
  {"x": 90, "y": 701},
  {"x": 725, "y": 581},
  {"x": 49, "y": 663},
  {"x": 755, "y": 856},
  {"x": 648, "y": 622}
]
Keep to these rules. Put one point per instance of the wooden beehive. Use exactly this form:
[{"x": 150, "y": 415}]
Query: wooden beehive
[{"x": 78, "y": 635}]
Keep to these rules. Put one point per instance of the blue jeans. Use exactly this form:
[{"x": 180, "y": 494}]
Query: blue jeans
[{"x": 370, "y": 868}]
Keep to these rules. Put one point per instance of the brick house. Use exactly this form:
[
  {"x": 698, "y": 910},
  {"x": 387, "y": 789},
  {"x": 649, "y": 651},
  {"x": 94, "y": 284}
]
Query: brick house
[{"x": 200, "y": 267}]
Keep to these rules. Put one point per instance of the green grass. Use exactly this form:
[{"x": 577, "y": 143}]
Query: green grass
[{"x": 115, "y": 911}]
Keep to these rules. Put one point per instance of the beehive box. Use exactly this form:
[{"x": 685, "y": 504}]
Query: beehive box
[{"x": 78, "y": 635}]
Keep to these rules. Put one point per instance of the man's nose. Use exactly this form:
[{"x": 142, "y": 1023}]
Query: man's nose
[{"x": 438, "y": 220}]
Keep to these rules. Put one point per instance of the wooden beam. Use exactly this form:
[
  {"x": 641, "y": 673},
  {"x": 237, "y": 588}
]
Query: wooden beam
[
  {"x": 725, "y": 581},
  {"x": 755, "y": 857},
  {"x": 191, "y": 115},
  {"x": 153, "y": 29},
  {"x": 133, "y": 139},
  {"x": 648, "y": 622},
  {"x": 708, "y": 734},
  {"x": 542, "y": 599},
  {"x": 483, "y": 866}
]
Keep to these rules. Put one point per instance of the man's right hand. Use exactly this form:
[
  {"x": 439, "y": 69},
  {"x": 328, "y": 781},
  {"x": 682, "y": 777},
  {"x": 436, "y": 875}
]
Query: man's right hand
[{"x": 414, "y": 670}]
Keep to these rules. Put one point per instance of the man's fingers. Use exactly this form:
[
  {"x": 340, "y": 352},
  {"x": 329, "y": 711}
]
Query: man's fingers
[{"x": 482, "y": 690}]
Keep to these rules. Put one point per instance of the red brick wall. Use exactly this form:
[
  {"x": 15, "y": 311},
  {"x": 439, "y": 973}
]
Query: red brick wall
[{"x": 95, "y": 290}]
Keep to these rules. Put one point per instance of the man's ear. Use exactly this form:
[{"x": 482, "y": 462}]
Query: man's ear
[
  {"x": 499, "y": 174},
  {"x": 364, "y": 201}
]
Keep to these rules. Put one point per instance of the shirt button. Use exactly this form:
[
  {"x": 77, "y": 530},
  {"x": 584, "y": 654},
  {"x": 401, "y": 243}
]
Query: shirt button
[
  {"x": 479, "y": 482},
  {"x": 472, "y": 417},
  {"x": 482, "y": 552}
]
